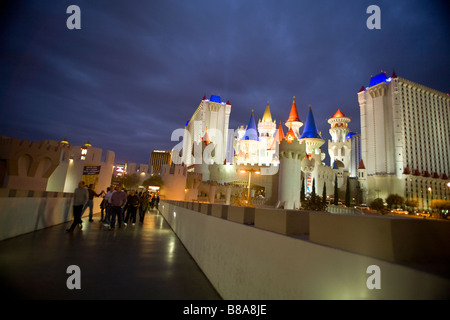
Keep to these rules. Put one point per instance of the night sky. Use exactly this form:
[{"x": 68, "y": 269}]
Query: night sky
[{"x": 137, "y": 70}]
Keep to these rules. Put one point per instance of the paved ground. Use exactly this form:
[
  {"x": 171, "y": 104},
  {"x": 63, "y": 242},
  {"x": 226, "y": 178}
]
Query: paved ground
[{"x": 137, "y": 262}]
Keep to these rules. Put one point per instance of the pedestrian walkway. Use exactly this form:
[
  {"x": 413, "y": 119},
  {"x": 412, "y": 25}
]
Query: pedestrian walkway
[{"x": 136, "y": 262}]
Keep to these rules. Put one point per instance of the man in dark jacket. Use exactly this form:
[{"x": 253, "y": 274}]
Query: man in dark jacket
[
  {"x": 133, "y": 202},
  {"x": 80, "y": 197}
]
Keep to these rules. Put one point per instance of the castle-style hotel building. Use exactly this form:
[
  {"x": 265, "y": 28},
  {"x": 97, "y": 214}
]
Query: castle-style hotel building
[{"x": 403, "y": 147}]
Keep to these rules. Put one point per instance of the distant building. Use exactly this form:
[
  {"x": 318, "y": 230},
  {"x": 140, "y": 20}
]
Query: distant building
[
  {"x": 159, "y": 158},
  {"x": 405, "y": 139}
]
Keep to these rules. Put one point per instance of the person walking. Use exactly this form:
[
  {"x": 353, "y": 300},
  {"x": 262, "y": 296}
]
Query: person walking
[
  {"x": 157, "y": 202},
  {"x": 152, "y": 202},
  {"x": 132, "y": 206},
  {"x": 90, "y": 203},
  {"x": 118, "y": 201},
  {"x": 144, "y": 206},
  {"x": 80, "y": 197},
  {"x": 103, "y": 206},
  {"x": 108, "y": 206}
]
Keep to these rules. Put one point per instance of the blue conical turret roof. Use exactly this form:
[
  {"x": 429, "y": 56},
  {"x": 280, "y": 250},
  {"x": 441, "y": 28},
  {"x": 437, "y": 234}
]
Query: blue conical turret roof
[
  {"x": 310, "y": 129},
  {"x": 251, "y": 133}
]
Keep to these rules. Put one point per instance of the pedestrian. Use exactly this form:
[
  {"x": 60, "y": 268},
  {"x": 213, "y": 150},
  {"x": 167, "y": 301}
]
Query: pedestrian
[
  {"x": 144, "y": 206},
  {"x": 80, "y": 197},
  {"x": 108, "y": 206},
  {"x": 152, "y": 202},
  {"x": 132, "y": 206},
  {"x": 118, "y": 201},
  {"x": 157, "y": 202},
  {"x": 103, "y": 205},
  {"x": 90, "y": 203}
]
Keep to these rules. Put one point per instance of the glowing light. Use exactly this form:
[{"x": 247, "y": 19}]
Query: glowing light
[{"x": 290, "y": 138}]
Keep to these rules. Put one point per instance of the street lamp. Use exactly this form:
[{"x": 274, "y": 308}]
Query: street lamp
[
  {"x": 84, "y": 150},
  {"x": 256, "y": 171}
]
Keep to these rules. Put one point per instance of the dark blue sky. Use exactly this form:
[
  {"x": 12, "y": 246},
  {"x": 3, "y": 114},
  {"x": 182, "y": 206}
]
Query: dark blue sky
[{"x": 138, "y": 69}]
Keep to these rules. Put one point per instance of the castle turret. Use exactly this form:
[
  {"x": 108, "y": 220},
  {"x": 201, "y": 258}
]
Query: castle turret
[
  {"x": 266, "y": 129},
  {"x": 362, "y": 178},
  {"x": 339, "y": 147},
  {"x": 311, "y": 136},
  {"x": 291, "y": 153},
  {"x": 294, "y": 120},
  {"x": 249, "y": 144}
]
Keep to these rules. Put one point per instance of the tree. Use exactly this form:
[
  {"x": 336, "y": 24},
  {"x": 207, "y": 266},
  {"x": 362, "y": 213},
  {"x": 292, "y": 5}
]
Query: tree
[
  {"x": 377, "y": 204},
  {"x": 314, "y": 202},
  {"x": 313, "y": 187},
  {"x": 127, "y": 181},
  {"x": 394, "y": 200},
  {"x": 336, "y": 191},
  {"x": 131, "y": 180},
  {"x": 412, "y": 203},
  {"x": 241, "y": 200},
  {"x": 324, "y": 193},
  {"x": 302, "y": 192},
  {"x": 347, "y": 193},
  {"x": 154, "y": 181},
  {"x": 441, "y": 206}
]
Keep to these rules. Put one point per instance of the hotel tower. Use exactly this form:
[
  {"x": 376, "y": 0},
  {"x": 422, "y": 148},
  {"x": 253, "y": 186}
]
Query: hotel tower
[{"x": 405, "y": 139}]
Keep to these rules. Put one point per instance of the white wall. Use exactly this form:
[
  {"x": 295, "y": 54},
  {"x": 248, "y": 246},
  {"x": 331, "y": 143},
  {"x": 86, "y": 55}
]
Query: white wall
[
  {"x": 22, "y": 214},
  {"x": 243, "y": 262}
]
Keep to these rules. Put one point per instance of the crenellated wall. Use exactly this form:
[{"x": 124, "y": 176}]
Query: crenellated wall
[{"x": 27, "y": 163}]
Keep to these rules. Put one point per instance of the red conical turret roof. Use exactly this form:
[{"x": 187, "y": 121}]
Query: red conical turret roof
[
  {"x": 279, "y": 135},
  {"x": 293, "y": 116},
  {"x": 361, "y": 165},
  {"x": 339, "y": 114}
]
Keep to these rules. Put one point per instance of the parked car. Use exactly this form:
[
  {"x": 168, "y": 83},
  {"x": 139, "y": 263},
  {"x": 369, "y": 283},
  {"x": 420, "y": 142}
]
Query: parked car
[{"x": 399, "y": 211}]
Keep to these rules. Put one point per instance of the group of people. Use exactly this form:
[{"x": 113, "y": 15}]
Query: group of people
[
  {"x": 125, "y": 206},
  {"x": 116, "y": 204}
]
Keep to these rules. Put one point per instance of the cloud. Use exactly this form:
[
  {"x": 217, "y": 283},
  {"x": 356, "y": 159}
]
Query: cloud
[{"x": 136, "y": 72}]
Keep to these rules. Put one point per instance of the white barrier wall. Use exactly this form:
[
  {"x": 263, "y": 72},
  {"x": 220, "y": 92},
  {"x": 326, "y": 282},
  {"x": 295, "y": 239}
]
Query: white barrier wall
[
  {"x": 23, "y": 211},
  {"x": 244, "y": 262}
]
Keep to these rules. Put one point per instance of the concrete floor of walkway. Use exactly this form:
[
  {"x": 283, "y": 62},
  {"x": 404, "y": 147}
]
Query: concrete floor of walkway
[{"x": 137, "y": 262}]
